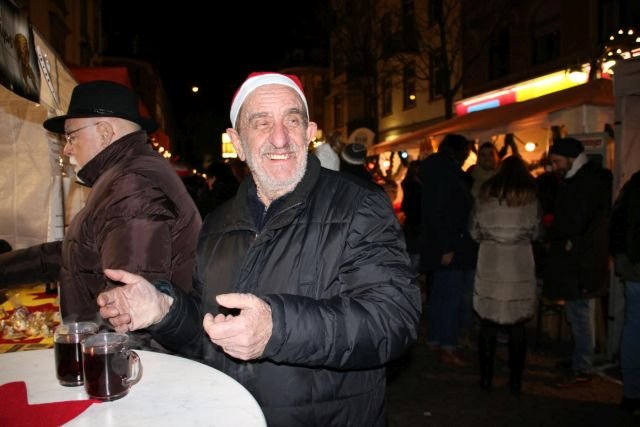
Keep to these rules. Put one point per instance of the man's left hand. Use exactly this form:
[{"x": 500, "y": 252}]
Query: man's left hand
[{"x": 246, "y": 335}]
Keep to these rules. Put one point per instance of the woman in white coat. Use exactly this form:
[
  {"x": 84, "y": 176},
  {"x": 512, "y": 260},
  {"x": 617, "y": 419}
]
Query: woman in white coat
[{"x": 505, "y": 219}]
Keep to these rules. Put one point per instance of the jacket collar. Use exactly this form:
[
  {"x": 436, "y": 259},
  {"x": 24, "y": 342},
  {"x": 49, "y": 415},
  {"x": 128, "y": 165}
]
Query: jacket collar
[
  {"x": 283, "y": 212},
  {"x": 578, "y": 163},
  {"x": 113, "y": 154}
]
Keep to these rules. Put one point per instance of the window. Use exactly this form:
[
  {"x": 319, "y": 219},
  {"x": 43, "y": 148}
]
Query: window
[
  {"x": 388, "y": 45},
  {"x": 409, "y": 37},
  {"x": 435, "y": 11},
  {"x": 339, "y": 61},
  {"x": 387, "y": 96},
  {"x": 616, "y": 14},
  {"x": 546, "y": 47},
  {"x": 59, "y": 32},
  {"x": 438, "y": 76},
  {"x": 409, "y": 87},
  {"x": 499, "y": 54}
]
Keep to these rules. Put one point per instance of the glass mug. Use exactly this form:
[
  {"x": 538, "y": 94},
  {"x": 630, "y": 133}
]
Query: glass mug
[
  {"x": 110, "y": 367},
  {"x": 68, "y": 352}
]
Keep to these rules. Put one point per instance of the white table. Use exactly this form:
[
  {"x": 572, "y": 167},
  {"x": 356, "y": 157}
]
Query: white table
[{"x": 173, "y": 391}]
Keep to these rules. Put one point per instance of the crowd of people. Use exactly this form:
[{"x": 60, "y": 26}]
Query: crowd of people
[
  {"x": 494, "y": 240},
  {"x": 300, "y": 270}
]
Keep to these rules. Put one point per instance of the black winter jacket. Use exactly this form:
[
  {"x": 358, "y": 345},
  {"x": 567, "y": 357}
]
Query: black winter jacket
[
  {"x": 446, "y": 204},
  {"x": 625, "y": 230},
  {"x": 331, "y": 262},
  {"x": 578, "y": 258}
]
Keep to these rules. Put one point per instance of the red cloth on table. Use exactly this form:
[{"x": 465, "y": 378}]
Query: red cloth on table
[{"x": 16, "y": 410}]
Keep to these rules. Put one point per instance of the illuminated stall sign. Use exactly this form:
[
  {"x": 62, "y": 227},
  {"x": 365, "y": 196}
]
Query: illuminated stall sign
[{"x": 521, "y": 92}]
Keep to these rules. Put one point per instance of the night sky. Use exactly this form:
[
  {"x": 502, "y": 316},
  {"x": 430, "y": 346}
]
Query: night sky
[{"x": 238, "y": 38}]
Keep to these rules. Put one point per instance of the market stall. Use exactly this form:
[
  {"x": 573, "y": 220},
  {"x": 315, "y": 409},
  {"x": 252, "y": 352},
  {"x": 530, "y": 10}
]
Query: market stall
[
  {"x": 32, "y": 186},
  {"x": 581, "y": 109}
]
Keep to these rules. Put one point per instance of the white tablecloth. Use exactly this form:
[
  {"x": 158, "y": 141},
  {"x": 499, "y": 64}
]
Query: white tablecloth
[{"x": 173, "y": 391}]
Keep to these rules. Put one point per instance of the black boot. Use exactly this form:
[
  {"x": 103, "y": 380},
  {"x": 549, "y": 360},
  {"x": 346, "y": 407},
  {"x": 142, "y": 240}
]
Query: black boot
[
  {"x": 517, "y": 357},
  {"x": 486, "y": 356}
]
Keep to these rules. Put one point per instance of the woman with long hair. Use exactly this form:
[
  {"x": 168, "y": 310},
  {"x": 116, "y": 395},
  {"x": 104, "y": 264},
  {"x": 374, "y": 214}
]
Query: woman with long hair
[{"x": 504, "y": 221}]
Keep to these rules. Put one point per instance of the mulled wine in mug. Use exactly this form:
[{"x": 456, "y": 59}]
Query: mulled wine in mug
[
  {"x": 68, "y": 351},
  {"x": 110, "y": 366}
]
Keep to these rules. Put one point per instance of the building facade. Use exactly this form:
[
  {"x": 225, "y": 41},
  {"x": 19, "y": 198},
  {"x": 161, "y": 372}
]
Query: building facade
[{"x": 430, "y": 55}]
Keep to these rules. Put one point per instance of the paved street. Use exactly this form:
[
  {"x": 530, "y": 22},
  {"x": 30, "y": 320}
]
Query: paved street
[{"x": 424, "y": 392}]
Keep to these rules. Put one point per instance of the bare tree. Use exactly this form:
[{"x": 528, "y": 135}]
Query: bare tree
[
  {"x": 436, "y": 40},
  {"x": 450, "y": 35},
  {"x": 356, "y": 45}
]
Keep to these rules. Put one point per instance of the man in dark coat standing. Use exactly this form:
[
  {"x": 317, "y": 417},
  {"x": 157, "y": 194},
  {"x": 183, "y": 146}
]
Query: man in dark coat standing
[
  {"x": 448, "y": 253},
  {"x": 303, "y": 287},
  {"x": 138, "y": 216},
  {"x": 577, "y": 262}
]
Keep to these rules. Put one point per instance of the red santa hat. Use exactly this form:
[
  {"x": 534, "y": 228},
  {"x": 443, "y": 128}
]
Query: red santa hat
[{"x": 257, "y": 79}]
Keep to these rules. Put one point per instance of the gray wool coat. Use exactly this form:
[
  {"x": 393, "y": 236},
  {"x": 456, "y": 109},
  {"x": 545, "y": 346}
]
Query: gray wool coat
[{"x": 505, "y": 281}]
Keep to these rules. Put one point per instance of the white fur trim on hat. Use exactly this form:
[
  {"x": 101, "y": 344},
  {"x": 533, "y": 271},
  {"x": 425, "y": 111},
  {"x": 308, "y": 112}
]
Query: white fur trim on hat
[{"x": 255, "y": 80}]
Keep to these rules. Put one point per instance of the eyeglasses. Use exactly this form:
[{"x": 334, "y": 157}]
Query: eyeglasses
[{"x": 68, "y": 135}]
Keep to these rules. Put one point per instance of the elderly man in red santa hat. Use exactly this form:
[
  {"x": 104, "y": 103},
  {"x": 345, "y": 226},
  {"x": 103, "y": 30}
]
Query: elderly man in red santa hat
[{"x": 304, "y": 289}]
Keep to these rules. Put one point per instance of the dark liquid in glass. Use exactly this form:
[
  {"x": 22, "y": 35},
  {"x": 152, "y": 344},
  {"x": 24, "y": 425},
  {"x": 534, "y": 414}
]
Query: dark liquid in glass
[
  {"x": 68, "y": 363},
  {"x": 104, "y": 375}
]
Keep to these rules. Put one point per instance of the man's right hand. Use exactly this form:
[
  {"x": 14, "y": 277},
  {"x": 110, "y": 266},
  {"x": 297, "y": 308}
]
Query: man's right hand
[
  {"x": 446, "y": 258},
  {"x": 136, "y": 305}
]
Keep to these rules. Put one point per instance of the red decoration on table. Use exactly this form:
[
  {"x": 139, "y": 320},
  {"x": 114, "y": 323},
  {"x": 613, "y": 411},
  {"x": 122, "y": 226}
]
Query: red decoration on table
[{"x": 16, "y": 410}]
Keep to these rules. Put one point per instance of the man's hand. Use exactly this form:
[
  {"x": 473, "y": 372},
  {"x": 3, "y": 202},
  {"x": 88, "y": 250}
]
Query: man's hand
[
  {"x": 446, "y": 258},
  {"x": 244, "y": 336},
  {"x": 136, "y": 305}
]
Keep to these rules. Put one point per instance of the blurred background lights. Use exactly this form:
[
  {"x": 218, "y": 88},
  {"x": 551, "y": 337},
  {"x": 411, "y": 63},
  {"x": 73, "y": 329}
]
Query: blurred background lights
[{"x": 530, "y": 146}]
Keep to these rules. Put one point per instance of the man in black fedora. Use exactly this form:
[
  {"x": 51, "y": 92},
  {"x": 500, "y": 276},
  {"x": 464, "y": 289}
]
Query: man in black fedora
[{"x": 138, "y": 216}]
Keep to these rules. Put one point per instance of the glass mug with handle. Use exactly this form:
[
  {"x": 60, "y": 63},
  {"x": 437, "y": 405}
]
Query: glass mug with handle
[
  {"x": 67, "y": 348},
  {"x": 110, "y": 366}
]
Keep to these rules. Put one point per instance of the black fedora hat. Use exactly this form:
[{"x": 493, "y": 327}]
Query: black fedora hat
[{"x": 101, "y": 98}]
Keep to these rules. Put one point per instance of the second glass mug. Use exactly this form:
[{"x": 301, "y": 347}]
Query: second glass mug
[{"x": 110, "y": 367}]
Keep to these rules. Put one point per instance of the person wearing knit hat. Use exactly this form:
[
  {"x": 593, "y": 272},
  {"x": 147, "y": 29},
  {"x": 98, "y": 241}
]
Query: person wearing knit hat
[
  {"x": 304, "y": 290},
  {"x": 567, "y": 147},
  {"x": 577, "y": 260},
  {"x": 567, "y": 156}
]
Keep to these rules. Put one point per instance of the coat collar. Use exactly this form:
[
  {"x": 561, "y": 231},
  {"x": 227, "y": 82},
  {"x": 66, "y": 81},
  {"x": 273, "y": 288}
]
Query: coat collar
[
  {"x": 578, "y": 163},
  {"x": 283, "y": 212},
  {"x": 113, "y": 154}
]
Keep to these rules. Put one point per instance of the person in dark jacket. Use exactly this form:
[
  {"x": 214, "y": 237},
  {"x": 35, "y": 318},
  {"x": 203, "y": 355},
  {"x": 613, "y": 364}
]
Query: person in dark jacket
[
  {"x": 411, "y": 207},
  {"x": 138, "y": 216},
  {"x": 448, "y": 254},
  {"x": 576, "y": 267},
  {"x": 221, "y": 185},
  {"x": 625, "y": 246},
  {"x": 303, "y": 279}
]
